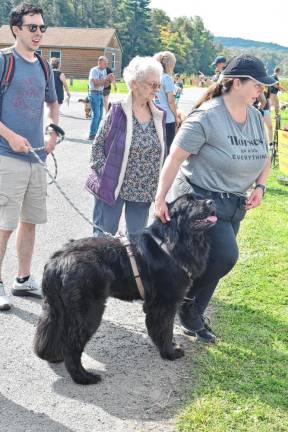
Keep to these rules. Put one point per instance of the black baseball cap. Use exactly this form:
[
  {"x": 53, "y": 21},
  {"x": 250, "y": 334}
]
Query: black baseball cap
[
  {"x": 247, "y": 66},
  {"x": 219, "y": 59}
]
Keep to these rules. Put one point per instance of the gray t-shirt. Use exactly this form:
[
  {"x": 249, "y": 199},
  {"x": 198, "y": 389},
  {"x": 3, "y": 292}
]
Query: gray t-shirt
[
  {"x": 96, "y": 73},
  {"x": 225, "y": 156},
  {"x": 23, "y": 105}
]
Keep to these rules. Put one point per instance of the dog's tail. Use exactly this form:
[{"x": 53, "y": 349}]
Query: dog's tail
[{"x": 48, "y": 340}]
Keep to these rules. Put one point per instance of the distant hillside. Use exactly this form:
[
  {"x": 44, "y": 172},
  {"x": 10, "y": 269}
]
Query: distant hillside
[{"x": 229, "y": 42}]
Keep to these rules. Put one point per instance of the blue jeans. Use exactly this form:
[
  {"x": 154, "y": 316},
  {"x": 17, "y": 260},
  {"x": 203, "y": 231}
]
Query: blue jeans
[
  {"x": 96, "y": 101},
  {"x": 108, "y": 217}
]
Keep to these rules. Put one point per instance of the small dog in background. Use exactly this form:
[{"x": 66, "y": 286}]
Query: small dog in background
[
  {"x": 283, "y": 106},
  {"x": 87, "y": 106}
]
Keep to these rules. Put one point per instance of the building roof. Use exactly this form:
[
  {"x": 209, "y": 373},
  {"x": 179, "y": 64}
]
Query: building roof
[{"x": 68, "y": 37}]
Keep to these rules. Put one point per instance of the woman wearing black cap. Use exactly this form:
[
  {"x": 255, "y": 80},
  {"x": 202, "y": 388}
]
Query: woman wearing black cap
[{"x": 219, "y": 153}]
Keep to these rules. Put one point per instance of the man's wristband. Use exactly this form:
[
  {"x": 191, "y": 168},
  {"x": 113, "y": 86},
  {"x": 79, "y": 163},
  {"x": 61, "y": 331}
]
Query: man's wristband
[
  {"x": 261, "y": 186},
  {"x": 58, "y": 131}
]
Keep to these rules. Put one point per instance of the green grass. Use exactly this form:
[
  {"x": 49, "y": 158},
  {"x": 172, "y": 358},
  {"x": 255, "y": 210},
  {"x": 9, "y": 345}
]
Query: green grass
[
  {"x": 241, "y": 384},
  {"x": 82, "y": 86}
]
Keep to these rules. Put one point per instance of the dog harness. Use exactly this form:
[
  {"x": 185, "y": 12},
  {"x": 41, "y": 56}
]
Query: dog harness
[
  {"x": 165, "y": 249},
  {"x": 134, "y": 266},
  {"x": 126, "y": 243}
]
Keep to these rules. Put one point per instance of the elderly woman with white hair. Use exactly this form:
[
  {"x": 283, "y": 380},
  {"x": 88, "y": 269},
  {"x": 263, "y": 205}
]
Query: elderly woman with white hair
[{"x": 128, "y": 152}]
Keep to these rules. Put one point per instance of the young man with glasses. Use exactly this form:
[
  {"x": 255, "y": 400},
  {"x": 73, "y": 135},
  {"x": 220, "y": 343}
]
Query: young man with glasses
[{"x": 22, "y": 177}]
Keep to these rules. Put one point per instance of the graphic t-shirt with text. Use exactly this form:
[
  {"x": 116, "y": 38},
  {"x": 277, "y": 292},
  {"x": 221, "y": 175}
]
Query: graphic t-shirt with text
[{"x": 226, "y": 156}]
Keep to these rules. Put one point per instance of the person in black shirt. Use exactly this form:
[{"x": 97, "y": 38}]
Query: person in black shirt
[
  {"x": 275, "y": 89},
  {"x": 60, "y": 80}
]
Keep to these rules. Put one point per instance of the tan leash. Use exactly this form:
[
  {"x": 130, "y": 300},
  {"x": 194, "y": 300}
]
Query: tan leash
[{"x": 126, "y": 243}]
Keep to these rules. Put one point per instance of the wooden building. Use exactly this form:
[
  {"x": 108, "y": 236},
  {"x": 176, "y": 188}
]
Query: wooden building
[{"x": 77, "y": 48}]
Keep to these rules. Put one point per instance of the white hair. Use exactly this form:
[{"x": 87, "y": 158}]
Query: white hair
[{"x": 140, "y": 67}]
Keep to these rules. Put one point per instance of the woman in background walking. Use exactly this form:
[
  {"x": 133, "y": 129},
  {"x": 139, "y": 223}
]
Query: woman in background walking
[
  {"x": 165, "y": 97},
  {"x": 60, "y": 80}
]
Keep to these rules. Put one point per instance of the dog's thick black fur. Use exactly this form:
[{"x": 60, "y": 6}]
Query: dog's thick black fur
[{"x": 78, "y": 279}]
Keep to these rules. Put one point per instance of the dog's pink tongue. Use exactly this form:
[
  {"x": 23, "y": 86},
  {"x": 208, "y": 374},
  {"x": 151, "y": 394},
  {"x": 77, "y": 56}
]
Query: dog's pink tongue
[{"x": 212, "y": 219}]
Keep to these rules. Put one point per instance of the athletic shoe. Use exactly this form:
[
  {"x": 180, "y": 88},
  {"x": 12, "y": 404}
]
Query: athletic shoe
[
  {"x": 190, "y": 318},
  {"x": 28, "y": 288},
  {"x": 4, "y": 299},
  {"x": 195, "y": 324}
]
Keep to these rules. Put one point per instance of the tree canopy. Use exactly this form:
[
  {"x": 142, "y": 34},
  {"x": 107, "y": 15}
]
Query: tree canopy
[{"x": 144, "y": 31}]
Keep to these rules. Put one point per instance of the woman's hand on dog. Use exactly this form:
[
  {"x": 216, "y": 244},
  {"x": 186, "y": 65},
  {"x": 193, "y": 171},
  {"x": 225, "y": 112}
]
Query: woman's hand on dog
[{"x": 161, "y": 210}]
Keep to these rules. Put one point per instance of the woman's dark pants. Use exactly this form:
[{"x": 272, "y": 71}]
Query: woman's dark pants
[
  {"x": 223, "y": 257},
  {"x": 230, "y": 210},
  {"x": 170, "y": 135}
]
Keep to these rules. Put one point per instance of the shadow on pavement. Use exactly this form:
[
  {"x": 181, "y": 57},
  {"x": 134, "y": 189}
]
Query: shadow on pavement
[
  {"x": 15, "y": 418},
  {"x": 137, "y": 383}
]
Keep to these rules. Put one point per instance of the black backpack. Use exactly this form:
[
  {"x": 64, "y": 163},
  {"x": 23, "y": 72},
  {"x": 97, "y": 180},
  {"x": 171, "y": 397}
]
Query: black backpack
[{"x": 9, "y": 67}]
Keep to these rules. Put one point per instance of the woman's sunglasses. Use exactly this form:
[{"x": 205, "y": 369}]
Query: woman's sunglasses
[{"x": 33, "y": 27}]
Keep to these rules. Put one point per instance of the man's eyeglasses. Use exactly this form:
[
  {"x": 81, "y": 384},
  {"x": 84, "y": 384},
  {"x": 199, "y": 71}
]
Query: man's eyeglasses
[
  {"x": 153, "y": 85},
  {"x": 33, "y": 27}
]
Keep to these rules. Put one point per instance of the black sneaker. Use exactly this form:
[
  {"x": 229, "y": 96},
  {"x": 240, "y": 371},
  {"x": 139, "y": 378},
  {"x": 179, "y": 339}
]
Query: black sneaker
[
  {"x": 193, "y": 323},
  {"x": 190, "y": 319},
  {"x": 206, "y": 335}
]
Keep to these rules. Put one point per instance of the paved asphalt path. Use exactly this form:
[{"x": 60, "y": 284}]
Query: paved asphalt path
[{"x": 139, "y": 391}]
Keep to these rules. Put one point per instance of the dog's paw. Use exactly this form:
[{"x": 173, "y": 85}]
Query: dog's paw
[
  {"x": 173, "y": 354},
  {"x": 87, "y": 378}
]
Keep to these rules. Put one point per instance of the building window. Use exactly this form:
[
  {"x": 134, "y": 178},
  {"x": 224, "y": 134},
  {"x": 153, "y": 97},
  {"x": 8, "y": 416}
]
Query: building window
[
  {"x": 56, "y": 54},
  {"x": 113, "y": 61},
  {"x": 39, "y": 52}
]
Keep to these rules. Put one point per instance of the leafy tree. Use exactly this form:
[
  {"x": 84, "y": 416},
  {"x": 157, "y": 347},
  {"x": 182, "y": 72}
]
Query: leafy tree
[
  {"x": 159, "y": 21},
  {"x": 144, "y": 31},
  {"x": 134, "y": 28},
  {"x": 198, "y": 43}
]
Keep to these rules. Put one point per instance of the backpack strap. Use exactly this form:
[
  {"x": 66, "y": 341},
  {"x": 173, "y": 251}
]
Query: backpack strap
[
  {"x": 45, "y": 66},
  {"x": 8, "y": 72}
]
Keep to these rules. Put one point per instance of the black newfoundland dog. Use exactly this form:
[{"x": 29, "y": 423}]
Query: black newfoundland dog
[{"x": 78, "y": 279}]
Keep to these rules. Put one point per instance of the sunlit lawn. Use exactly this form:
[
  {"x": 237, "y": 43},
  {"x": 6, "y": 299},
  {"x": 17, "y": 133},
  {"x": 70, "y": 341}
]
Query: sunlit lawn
[
  {"x": 241, "y": 384},
  {"x": 82, "y": 86}
]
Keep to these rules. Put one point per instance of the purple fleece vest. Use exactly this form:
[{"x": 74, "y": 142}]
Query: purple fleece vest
[{"x": 104, "y": 183}]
